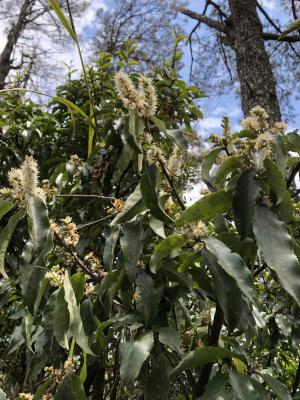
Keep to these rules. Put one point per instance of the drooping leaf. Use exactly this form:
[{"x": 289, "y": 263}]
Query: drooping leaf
[
  {"x": 170, "y": 337},
  {"x": 207, "y": 207},
  {"x": 203, "y": 355},
  {"x": 132, "y": 245},
  {"x": 208, "y": 162},
  {"x": 275, "y": 179},
  {"x": 276, "y": 244},
  {"x": 5, "y": 207},
  {"x": 159, "y": 124},
  {"x": 245, "y": 193},
  {"x": 277, "y": 387},
  {"x": 70, "y": 389},
  {"x": 54, "y": 4},
  {"x": 233, "y": 265},
  {"x": 178, "y": 136},
  {"x": 133, "y": 206},
  {"x": 123, "y": 163},
  {"x": 243, "y": 387},
  {"x": 61, "y": 318},
  {"x": 148, "y": 190},
  {"x": 216, "y": 387},
  {"x": 33, "y": 266},
  {"x": 110, "y": 245},
  {"x": 231, "y": 164},
  {"x": 136, "y": 128},
  {"x": 147, "y": 304},
  {"x": 6, "y": 235},
  {"x": 228, "y": 294},
  {"x": 157, "y": 226},
  {"x": 76, "y": 326},
  {"x": 164, "y": 248},
  {"x": 158, "y": 385},
  {"x": 133, "y": 355}
]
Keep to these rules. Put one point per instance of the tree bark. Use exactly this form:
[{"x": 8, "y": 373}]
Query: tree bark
[
  {"x": 254, "y": 69},
  {"x": 12, "y": 38}
]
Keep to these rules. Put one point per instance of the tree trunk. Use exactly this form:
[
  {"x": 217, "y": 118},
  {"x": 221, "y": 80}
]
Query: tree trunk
[
  {"x": 253, "y": 65},
  {"x": 12, "y": 38}
]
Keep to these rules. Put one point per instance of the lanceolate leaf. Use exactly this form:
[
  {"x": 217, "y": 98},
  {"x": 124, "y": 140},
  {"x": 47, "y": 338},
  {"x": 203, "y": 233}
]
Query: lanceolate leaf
[
  {"x": 61, "y": 318},
  {"x": 133, "y": 355},
  {"x": 5, "y": 207},
  {"x": 245, "y": 193},
  {"x": 33, "y": 266},
  {"x": 277, "y": 387},
  {"x": 5, "y": 237},
  {"x": 243, "y": 387},
  {"x": 159, "y": 124},
  {"x": 54, "y": 4},
  {"x": 70, "y": 389},
  {"x": 233, "y": 265},
  {"x": 276, "y": 244},
  {"x": 207, "y": 207},
  {"x": 208, "y": 162},
  {"x": 147, "y": 304},
  {"x": 164, "y": 248},
  {"x": 76, "y": 326},
  {"x": 148, "y": 190},
  {"x": 110, "y": 245},
  {"x": 132, "y": 246},
  {"x": 133, "y": 206},
  {"x": 157, "y": 385},
  {"x": 229, "y": 165},
  {"x": 275, "y": 179},
  {"x": 203, "y": 355}
]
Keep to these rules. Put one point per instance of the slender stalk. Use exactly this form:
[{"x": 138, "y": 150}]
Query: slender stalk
[{"x": 91, "y": 196}]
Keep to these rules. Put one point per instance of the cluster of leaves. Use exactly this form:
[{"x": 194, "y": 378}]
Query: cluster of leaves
[{"x": 116, "y": 289}]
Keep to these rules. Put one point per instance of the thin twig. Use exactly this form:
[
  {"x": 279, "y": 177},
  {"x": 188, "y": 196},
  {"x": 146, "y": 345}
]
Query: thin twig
[
  {"x": 79, "y": 262},
  {"x": 91, "y": 196},
  {"x": 97, "y": 221}
]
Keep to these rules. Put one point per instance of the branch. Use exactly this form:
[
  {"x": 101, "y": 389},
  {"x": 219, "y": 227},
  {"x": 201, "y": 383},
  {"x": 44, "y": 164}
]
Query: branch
[
  {"x": 89, "y": 196},
  {"x": 97, "y": 221},
  {"x": 213, "y": 341},
  {"x": 275, "y": 36},
  {"x": 201, "y": 18}
]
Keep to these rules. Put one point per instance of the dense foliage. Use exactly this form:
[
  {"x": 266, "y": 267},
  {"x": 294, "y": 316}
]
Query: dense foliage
[{"x": 112, "y": 287}]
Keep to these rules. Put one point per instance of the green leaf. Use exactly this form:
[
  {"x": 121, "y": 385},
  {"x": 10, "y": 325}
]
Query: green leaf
[
  {"x": 178, "y": 136},
  {"x": 5, "y": 207},
  {"x": 208, "y": 162},
  {"x": 61, "y": 318},
  {"x": 157, "y": 226},
  {"x": 54, "y": 4},
  {"x": 280, "y": 153},
  {"x": 123, "y": 163},
  {"x": 275, "y": 179},
  {"x": 233, "y": 265},
  {"x": 78, "y": 284},
  {"x": 110, "y": 245},
  {"x": 70, "y": 389},
  {"x": 203, "y": 355},
  {"x": 243, "y": 387},
  {"x": 148, "y": 190},
  {"x": 228, "y": 294},
  {"x": 6, "y": 235},
  {"x": 132, "y": 245},
  {"x": 133, "y": 206},
  {"x": 147, "y": 304},
  {"x": 244, "y": 196},
  {"x": 157, "y": 384},
  {"x": 42, "y": 389},
  {"x": 136, "y": 129},
  {"x": 91, "y": 131},
  {"x": 276, "y": 244},
  {"x": 277, "y": 387},
  {"x": 83, "y": 372},
  {"x": 159, "y": 124},
  {"x": 170, "y": 337},
  {"x": 207, "y": 208},
  {"x": 164, "y": 248},
  {"x": 33, "y": 265},
  {"x": 231, "y": 164},
  {"x": 215, "y": 388},
  {"x": 76, "y": 326},
  {"x": 133, "y": 355}
]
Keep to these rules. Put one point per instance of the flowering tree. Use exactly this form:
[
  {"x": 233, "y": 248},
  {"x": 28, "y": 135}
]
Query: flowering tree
[{"x": 112, "y": 287}]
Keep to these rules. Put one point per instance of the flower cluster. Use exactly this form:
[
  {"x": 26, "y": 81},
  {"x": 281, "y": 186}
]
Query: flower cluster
[
  {"x": 257, "y": 120},
  {"x": 24, "y": 183},
  {"x": 175, "y": 161},
  {"x": 67, "y": 231},
  {"x": 118, "y": 205},
  {"x": 154, "y": 154},
  {"x": 143, "y": 100},
  {"x": 25, "y": 396},
  {"x": 55, "y": 276},
  {"x": 196, "y": 230},
  {"x": 94, "y": 263}
]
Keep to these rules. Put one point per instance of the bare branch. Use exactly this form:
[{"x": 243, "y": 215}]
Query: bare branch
[
  {"x": 219, "y": 26},
  {"x": 275, "y": 36}
]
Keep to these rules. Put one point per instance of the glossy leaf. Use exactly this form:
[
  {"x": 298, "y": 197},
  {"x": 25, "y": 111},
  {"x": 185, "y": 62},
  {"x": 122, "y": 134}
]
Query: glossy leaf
[
  {"x": 207, "y": 207},
  {"x": 276, "y": 244},
  {"x": 133, "y": 206},
  {"x": 70, "y": 389},
  {"x": 157, "y": 385},
  {"x": 231, "y": 164},
  {"x": 243, "y": 387},
  {"x": 208, "y": 162},
  {"x": 275, "y": 179},
  {"x": 133, "y": 355},
  {"x": 277, "y": 387},
  {"x": 132, "y": 245},
  {"x": 5, "y": 207}
]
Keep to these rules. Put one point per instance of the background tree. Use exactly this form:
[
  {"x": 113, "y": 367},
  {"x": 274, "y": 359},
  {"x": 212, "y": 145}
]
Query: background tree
[{"x": 27, "y": 21}]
